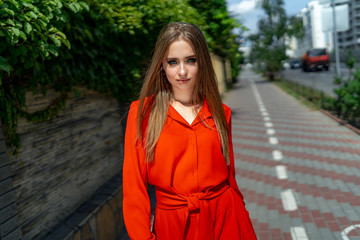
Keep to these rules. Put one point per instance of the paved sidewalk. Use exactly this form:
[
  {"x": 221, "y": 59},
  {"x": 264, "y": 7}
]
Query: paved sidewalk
[{"x": 298, "y": 169}]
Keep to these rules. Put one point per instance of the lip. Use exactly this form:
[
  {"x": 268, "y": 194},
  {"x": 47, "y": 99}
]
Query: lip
[{"x": 183, "y": 80}]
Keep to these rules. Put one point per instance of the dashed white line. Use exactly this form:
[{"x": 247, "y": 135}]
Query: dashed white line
[
  {"x": 273, "y": 140},
  {"x": 262, "y": 109},
  {"x": 277, "y": 155},
  {"x": 288, "y": 200},
  {"x": 281, "y": 172},
  {"x": 267, "y": 119},
  {"x": 270, "y": 131},
  {"x": 287, "y": 196},
  {"x": 298, "y": 233}
]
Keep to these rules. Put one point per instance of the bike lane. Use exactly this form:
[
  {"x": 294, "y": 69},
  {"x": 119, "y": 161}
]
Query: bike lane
[{"x": 298, "y": 169}]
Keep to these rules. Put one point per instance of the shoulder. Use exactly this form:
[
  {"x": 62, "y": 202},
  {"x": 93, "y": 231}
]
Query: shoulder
[{"x": 134, "y": 106}]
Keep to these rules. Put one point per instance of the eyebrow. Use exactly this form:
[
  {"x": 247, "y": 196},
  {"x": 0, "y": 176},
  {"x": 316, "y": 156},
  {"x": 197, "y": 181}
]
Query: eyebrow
[{"x": 192, "y": 56}]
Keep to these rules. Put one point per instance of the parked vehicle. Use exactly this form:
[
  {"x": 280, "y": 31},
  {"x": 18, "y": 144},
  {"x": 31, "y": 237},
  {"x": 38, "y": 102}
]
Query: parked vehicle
[
  {"x": 295, "y": 63},
  {"x": 315, "y": 59}
]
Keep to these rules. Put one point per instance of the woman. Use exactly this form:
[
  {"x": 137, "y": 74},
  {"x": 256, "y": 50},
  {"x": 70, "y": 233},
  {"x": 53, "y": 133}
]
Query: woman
[{"x": 178, "y": 138}]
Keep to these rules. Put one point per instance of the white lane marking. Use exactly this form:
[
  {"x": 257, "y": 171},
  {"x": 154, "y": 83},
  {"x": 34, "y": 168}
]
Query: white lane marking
[
  {"x": 281, "y": 172},
  {"x": 277, "y": 155},
  {"x": 344, "y": 234},
  {"x": 262, "y": 109},
  {"x": 268, "y": 124},
  {"x": 273, "y": 140},
  {"x": 288, "y": 200},
  {"x": 298, "y": 233},
  {"x": 267, "y": 119},
  {"x": 264, "y": 114},
  {"x": 270, "y": 131}
]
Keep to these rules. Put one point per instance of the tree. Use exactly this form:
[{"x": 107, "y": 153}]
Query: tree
[
  {"x": 268, "y": 45},
  {"x": 220, "y": 33}
]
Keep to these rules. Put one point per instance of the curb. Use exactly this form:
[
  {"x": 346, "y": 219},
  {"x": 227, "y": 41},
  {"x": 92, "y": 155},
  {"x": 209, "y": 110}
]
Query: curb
[{"x": 342, "y": 122}]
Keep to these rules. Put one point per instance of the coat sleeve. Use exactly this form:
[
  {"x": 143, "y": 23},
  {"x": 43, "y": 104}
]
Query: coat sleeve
[
  {"x": 136, "y": 202},
  {"x": 231, "y": 177}
]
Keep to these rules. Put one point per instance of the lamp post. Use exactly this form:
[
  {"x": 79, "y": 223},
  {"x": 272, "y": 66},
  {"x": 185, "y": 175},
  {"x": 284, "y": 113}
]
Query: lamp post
[{"x": 337, "y": 60}]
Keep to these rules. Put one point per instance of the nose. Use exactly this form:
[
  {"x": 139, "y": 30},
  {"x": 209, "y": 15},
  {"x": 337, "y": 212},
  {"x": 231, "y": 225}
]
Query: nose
[{"x": 183, "y": 70}]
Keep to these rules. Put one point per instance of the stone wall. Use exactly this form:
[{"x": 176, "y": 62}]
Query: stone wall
[
  {"x": 100, "y": 218},
  {"x": 62, "y": 163},
  {"x": 9, "y": 225}
]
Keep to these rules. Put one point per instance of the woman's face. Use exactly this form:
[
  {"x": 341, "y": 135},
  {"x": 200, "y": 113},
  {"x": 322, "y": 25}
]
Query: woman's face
[{"x": 180, "y": 66}]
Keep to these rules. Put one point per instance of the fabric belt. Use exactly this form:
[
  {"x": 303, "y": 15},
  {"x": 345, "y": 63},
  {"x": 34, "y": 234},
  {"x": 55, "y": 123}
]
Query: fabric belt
[{"x": 197, "y": 201}]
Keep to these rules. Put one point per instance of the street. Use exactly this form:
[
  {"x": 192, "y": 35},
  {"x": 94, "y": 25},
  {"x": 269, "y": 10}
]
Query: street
[
  {"x": 299, "y": 171},
  {"x": 320, "y": 80}
]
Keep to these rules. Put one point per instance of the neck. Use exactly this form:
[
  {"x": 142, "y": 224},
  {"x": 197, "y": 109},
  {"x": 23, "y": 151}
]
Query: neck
[{"x": 183, "y": 98}]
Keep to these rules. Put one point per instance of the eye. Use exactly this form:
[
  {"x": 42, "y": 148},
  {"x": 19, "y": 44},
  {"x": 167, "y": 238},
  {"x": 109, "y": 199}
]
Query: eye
[
  {"x": 191, "y": 60},
  {"x": 172, "y": 62}
]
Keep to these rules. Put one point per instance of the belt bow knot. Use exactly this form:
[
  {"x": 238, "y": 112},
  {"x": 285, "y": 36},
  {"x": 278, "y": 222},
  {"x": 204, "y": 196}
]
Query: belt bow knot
[{"x": 193, "y": 201}]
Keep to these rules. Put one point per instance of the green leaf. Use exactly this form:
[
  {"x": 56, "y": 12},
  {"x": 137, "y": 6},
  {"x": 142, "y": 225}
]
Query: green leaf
[
  {"x": 72, "y": 8},
  {"x": 15, "y": 31},
  {"x": 66, "y": 42},
  {"x": 53, "y": 30},
  {"x": 23, "y": 35},
  {"x": 42, "y": 23},
  {"x": 30, "y": 6},
  {"x": 84, "y": 5},
  {"x": 6, "y": 11},
  {"x": 28, "y": 27},
  {"x": 55, "y": 39},
  {"x": 53, "y": 50},
  {"x": 10, "y": 22},
  {"x": 60, "y": 35},
  {"x": 4, "y": 65},
  {"x": 77, "y": 6},
  {"x": 32, "y": 15},
  {"x": 14, "y": 3}
]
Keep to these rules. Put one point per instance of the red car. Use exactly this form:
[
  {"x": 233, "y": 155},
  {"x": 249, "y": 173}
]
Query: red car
[{"x": 315, "y": 59}]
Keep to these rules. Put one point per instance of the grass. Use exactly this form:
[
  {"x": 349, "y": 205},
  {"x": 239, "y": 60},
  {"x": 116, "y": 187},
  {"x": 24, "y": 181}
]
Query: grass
[{"x": 312, "y": 98}]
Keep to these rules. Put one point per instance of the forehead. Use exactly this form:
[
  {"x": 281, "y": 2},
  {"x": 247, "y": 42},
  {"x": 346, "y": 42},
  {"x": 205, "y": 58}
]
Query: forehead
[{"x": 180, "y": 48}]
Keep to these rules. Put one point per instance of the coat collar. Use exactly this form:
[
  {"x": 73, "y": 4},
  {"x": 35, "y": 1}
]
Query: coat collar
[{"x": 203, "y": 114}]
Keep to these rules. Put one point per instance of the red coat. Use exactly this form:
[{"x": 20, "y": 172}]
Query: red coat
[{"x": 196, "y": 192}]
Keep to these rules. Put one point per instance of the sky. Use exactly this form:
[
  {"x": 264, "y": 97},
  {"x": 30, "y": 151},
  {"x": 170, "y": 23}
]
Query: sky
[{"x": 249, "y": 13}]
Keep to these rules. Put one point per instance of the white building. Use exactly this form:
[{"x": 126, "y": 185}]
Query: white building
[
  {"x": 315, "y": 26},
  {"x": 350, "y": 39},
  {"x": 314, "y": 36}
]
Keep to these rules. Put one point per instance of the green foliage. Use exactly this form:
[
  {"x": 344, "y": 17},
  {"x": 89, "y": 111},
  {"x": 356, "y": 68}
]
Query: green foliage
[
  {"x": 347, "y": 103},
  {"x": 268, "y": 46},
  {"x": 104, "y": 45}
]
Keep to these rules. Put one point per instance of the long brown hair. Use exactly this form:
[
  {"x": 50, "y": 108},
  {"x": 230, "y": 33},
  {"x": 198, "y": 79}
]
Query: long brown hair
[{"x": 156, "y": 88}]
